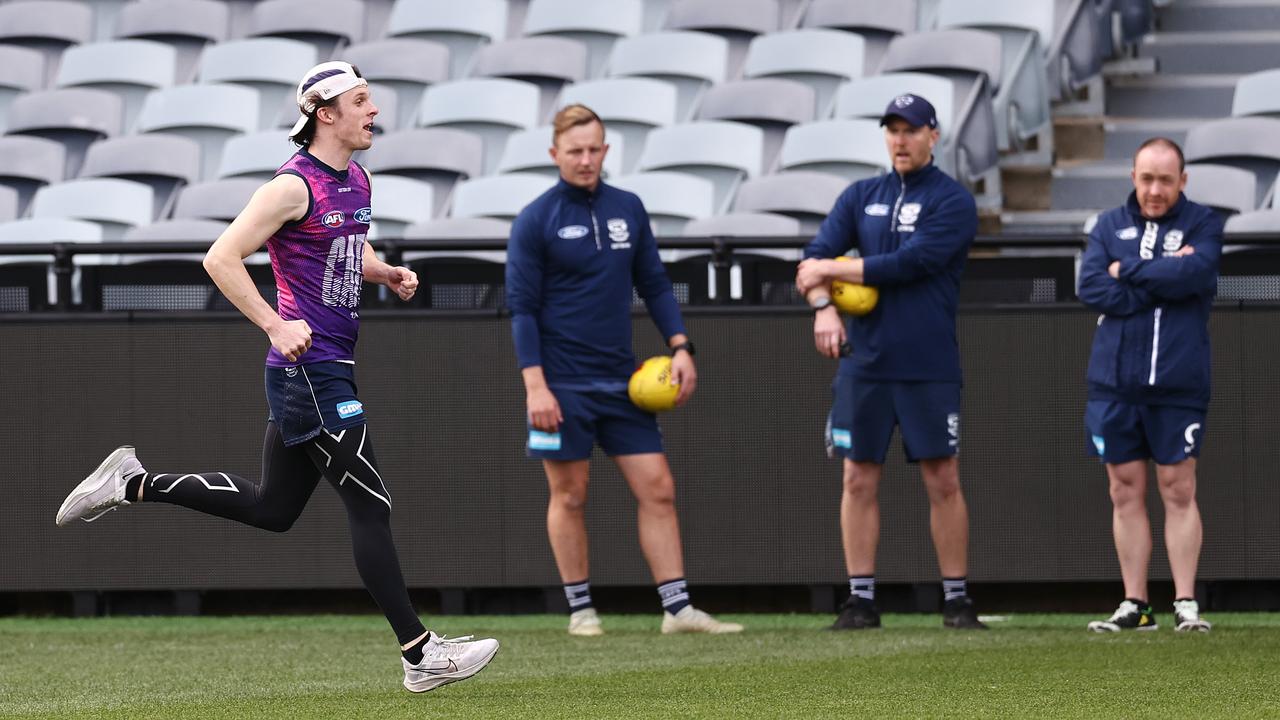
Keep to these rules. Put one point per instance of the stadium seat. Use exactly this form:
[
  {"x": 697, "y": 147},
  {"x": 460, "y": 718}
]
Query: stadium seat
[
  {"x": 528, "y": 151},
  {"x": 1258, "y": 221},
  {"x": 456, "y": 277},
  {"x": 691, "y": 61},
  {"x": 492, "y": 108},
  {"x": 49, "y": 26},
  {"x": 1222, "y": 187},
  {"x": 271, "y": 66},
  {"x": 547, "y": 62},
  {"x": 822, "y": 59},
  {"x": 737, "y": 22},
  {"x": 327, "y": 25},
  {"x": 217, "y": 200},
  {"x": 672, "y": 199},
  {"x": 771, "y": 104},
  {"x": 180, "y": 230},
  {"x": 595, "y": 24},
  {"x": 208, "y": 114},
  {"x": 74, "y": 117},
  {"x": 1248, "y": 143},
  {"x": 1257, "y": 94},
  {"x": 8, "y": 204},
  {"x": 29, "y": 164},
  {"x": 876, "y": 23},
  {"x": 805, "y": 196},
  {"x": 851, "y": 149},
  {"x": 255, "y": 155},
  {"x": 128, "y": 68},
  {"x": 462, "y": 27},
  {"x": 113, "y": 204},
  {"x": 630, "y": 108},
  {"x": 405, "y": 65},
  {"x": 188, "y": 26},
  {"x": 399, "y": 202},
  {"x": 439, "y": 156},
  {"x": 162, "y": 162},
  {"x": 21, "y": 70},
  {"x": 498, "y": 196},
  {"x": 723, "y": 152},
  {"x": 48, "y": 230},
  {"x": 744, "y": 224}
]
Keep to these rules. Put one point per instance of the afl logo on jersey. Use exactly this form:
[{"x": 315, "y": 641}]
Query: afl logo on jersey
[
  {"x": 333, "y": 218},
  {"x": 364, "y": 215}
]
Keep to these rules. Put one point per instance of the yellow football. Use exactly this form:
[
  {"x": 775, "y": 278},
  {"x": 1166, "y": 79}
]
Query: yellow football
[
  {"x": 852, "y": 298},
  {"x": 650, "y": 387}
]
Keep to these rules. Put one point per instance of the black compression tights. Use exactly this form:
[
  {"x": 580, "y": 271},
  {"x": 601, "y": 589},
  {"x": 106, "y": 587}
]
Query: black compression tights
[{"x": 289, "y": 476}]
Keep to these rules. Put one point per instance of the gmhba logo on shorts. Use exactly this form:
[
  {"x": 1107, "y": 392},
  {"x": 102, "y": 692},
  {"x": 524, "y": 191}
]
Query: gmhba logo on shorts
[{"x": 349, "y": 408}]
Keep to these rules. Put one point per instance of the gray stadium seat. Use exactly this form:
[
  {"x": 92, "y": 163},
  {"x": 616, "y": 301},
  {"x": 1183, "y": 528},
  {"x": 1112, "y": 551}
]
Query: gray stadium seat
[
  {"x": 595, "y": 24},
  {"x": 1222, "y": 187},
  {"x": 405, "y": 65},
  {"x": 771, "y": 104},
  {"x": 737, "y": 22},
  {"x": 455, "y": 228},
  {"x": 49, "y": 26},
  {"x": 217, "y": 200},
  {"x": 74, "y": 117},
  {"x": 113, "y": 204},
  {"x": 492, "y": 108},
  {"x": 1259, "y": 221},
  {"x": 630, "y": 108},
  {"x": 188, "y": 26},
  {"x": 822, "y": 59},
  {"x": 21, "y": 70},
  {"x": 852, "y": 149},
  {"x": 162, "y": 162},
  {"x": 1257, "y": 94},
  {"x": 271, "y": 66},
  {"x": 498, "y": 196},
  {"x": 439, "y": 156},
  {"x": 689, "y": 60},
  {"x": 744, "y": 224},
  {"x": 1249, "y": 143},
  {"x": 528, "y": 151},
  {"x": 548, "y": 62},
  {"x": 327, "y": 25},
  {"x": 47, "y": 230},
  {"x": 806, "y": 196},
  {"x": 876, "y": 23},
  {"x": 723, "y": 152},
  {"x": 255, "y": 155},
  {"x": 184, "y": 229},
  {"x": 8, "y": 204},
  {"x": 128, "y": 68},
  {"x": 29, "y": 164},
  {"x": 399, "y": 202},
  {"x": 672, "y": 199},
  {"x": 208, "y": 114},
  {"x": 461, "y": 26}
]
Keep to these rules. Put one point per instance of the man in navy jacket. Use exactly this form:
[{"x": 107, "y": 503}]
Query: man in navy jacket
[
  {"x": 912, "y": 229},
  {"x": 1151, "y": 269},
  {"x": 574, "y": 256}
]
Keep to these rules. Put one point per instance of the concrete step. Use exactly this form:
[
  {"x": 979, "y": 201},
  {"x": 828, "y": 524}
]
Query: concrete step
[
  {"x": 1215, "y": 15},
  {"x": 1213, "y": 52},
  {"x": 1122, "y": 136},
  {"x": 1048, "y": 222},
  {"x": 1162, "y": 96},
  {"x": 1096, "y": 185}
]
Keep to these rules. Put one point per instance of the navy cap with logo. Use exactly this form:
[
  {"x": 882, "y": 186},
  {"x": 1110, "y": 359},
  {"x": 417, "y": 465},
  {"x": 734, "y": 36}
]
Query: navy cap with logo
[{"x": 917, "y": 111}]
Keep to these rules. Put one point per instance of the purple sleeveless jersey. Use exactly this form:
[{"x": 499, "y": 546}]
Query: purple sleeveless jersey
[{"x": 317, "y": 261}]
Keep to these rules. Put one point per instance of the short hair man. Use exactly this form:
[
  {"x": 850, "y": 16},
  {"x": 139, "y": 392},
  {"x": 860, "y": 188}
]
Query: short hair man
[
  {"x": 313, "y": 217},
  {"x": 1151, "y": 269},
  {"x": 912, "y": 229},
  {"x": 574, "y": 256}
]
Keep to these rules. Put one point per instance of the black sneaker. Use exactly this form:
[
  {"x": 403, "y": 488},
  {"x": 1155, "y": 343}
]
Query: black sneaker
[
  {"x": 857, "y": 614},
  {"x": 1186, "y": 617},
  {"x": 1131, "y": 615},
  {"x": 959, "y": 614}
]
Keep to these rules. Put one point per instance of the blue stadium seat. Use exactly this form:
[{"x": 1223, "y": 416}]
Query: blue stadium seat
[
  {"x": 128, "y": 68},
  {"x": 462, "y": 27},
  {"x": 822, "y": 59},
  {"x": 491, "y": 108},
  {"x": 188, "y": 26},
  {"x": 271, "y": 66},
  {"x": 208, "y": 114},
  {"x": 630, "y": 108},
  {"x": 723, "y": 152},
  {"x": 689, "y": 60},
  {"x": 595, "y": 24},
  {"x": 405, "y": 65}
]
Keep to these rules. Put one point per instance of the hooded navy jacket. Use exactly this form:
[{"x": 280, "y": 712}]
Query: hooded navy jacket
[
  {"x": 913, "y": 233},
  {"x": 1152, "y": 342},
  {"x": 572, "y": 260}
]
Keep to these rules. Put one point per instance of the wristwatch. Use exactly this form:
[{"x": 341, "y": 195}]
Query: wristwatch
[
  {"x": 686, "y": 346},
  {"x": 821, "y": 303}
]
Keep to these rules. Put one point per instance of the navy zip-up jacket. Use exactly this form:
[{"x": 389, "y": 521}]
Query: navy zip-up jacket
[
  {"x": 913, "y": 233},
  {"x": 1152, "y": 342},
  {"x": 572, "y": 261}
]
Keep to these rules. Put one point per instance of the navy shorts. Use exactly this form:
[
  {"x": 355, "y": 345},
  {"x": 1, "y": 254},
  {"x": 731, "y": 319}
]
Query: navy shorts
[
  {"x": 597, "y": 416},
  {"x": 1119, "y": 432},
  {"x": 863, "y": 414},
  {"x": 305, "y": 399}
]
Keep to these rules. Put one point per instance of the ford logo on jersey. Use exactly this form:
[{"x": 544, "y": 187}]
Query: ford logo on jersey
[
  {"x": 572, "y": 232},
  {"x": 349, "y": 408},
  {"x": 333, "y": 218},
  {"x": 364, "y": 215}
]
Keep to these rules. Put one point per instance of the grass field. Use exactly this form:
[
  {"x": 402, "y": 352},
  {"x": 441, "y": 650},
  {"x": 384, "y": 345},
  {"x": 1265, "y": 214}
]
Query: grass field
[{"x": 783, "y": 666}]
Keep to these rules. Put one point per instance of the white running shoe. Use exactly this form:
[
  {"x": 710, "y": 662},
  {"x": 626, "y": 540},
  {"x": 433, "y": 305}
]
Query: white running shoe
[
  {"x": 103, "y": 490},
  {"x": 585, "y": 623},
  {"x": 1187, "y": 615},
  {"x": 693, "y": 620},
  {"x": 446, "y": 660}
]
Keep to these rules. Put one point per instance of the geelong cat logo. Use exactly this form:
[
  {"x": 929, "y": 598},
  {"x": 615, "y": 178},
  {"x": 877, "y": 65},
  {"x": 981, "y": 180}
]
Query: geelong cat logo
[{"x": 333, "y": 218}]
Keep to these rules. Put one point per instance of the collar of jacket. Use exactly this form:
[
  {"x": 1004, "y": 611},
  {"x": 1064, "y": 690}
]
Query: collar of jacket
[
  {"x": 1136, "y": 211},
  {"x": 925, "y": 171},
  {"x": 573, "y": 192}
]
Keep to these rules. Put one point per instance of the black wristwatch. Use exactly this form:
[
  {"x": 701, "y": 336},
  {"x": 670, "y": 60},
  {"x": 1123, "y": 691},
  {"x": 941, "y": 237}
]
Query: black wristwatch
[
  {"x": 821, "y": 303},
  {"x": 686, "y": 346}
]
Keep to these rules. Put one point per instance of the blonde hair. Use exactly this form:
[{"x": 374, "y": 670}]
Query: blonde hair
[{"x": 571, "y": 117}]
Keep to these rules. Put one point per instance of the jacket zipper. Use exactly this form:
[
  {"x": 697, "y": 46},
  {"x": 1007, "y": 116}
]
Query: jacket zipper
[
  {"x": 595, "y": 225},
  {"x": 1155, "y": 348},
  {"x": 897, "y": 204}
]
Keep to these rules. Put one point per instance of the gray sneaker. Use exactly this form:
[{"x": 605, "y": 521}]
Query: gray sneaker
[
  {"x": 446, "y": 660},
  {"x": 103, "y": 490}
]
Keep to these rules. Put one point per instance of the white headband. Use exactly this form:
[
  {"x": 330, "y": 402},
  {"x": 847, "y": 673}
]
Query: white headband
[{"x": 323, "y": 82}]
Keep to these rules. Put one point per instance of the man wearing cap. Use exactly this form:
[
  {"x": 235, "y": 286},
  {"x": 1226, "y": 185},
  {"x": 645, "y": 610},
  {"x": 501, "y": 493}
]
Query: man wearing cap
[
  {"x": 912, "y": 229},
  {"x": 313, "y": 217}
]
